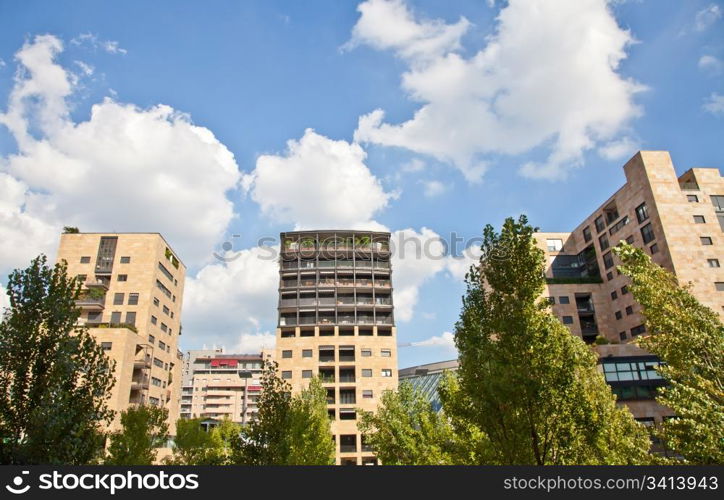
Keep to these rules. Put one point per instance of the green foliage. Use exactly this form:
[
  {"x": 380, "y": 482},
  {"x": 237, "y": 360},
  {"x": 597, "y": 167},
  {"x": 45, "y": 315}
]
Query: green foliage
[
  {"x": 531, "y": 388},
  {"x": 95, "y": 293},
  {"x": 143, "y": 429},
  {"x": 70, "y": 230},
  {"x": 288, "y": 430},
  {"x": 406, "y": 430},
  {"x": 194, "y": 446},
  {"x": 573, "y": 281},
  {"x": 689, "y": 338},
  {"x": 55, "y": 378}
]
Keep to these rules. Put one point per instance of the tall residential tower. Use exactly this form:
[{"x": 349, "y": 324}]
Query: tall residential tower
[
  {"x": 336, "y": 321},
  {"x": 131, "y": 302}
]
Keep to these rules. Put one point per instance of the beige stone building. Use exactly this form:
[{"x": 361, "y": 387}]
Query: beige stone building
[
  {"x": 131, "y": 303},
  {"x": 336, "y": 322},
  {"x": 678, "y": 220},
  {"x": 219, "y": 386}
]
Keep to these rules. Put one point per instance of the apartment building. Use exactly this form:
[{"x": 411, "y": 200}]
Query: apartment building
[
  {"x": 336, "y": 321},
  {"x": 679, "y": 221},
  {"x": 219, "y": 386},
  {"x": 131, "y": 302}
]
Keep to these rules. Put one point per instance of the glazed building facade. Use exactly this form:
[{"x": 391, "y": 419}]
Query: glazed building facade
[{"x": 336, "y": 321}]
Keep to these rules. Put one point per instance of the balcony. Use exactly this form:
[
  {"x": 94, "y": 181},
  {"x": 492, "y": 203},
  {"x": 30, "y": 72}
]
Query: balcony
[
  {"x": 382, "y": 284},
  {"x": 139, "y": 383},
  {"x": 140, "y": 364},
  {"x": 89, "y": 303}
]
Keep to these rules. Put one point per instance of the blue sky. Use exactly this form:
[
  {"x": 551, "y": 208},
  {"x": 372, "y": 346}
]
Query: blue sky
[{"x": 486, "y": 109}]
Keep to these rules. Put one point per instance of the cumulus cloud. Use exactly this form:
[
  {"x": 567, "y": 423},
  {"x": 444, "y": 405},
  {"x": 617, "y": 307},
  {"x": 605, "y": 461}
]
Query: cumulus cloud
[
  {"x": 123, "y": 169},
  {"x": 433, "y": 188},
  {"x": 710, "y": 64},
  {"x": 706, "y": 17},
  {"x": 714, "y": 104},
  {"x": 446, "y": 341},
  {"x": 92, "y": 40},
  {"x": 619, "y": 149},
  {"x": 318, "y": 183},
  {"x": 548, "y": 77},
  {"x": 232, "y": 298},
  {"x": 251, "y": 343}
]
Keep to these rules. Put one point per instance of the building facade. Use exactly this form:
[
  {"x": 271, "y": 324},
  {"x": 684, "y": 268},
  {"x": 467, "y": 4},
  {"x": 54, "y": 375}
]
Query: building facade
[
  {"x": 336, "y": 321},
  {"x": 131, "y": 302},
  {"x": 219, "y": 386},
  {"x": 426, "y": 379},
  {"x": 678, "y": 221}
]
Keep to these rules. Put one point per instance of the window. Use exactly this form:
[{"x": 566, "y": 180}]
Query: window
[
  {"x": 165, "y": 272},
  {"x": 155, "y": 302},
  {"x": 622, "y": 335},
  {"x": 600, "y": 225},
  {"x": 132, "y": 299},
  {"x": 151, "y": 339},
  {"x": 166, "y": 310},
  {"x": 619, "y": 315},
  {"x": 603, "y": 242},
  {"x": 286, "y": 354},
  {"x": 131, "y": 318},
  {"x": 156, "y": 381},
  {"x": 366, "y": 353},
  {"x": 692, "y": 198},
  {"x": 347, "y": 396},
  {"x": 642, "y": 212},
  {"x": 366, "y": 372},
  {"x": 614, "y": 295},
  {"x": 647, "y": 233},
  {"x": 306, "y": 353},
  {"x": 85, "y": 260},
  {"x": 618, "y": 226},
  {"x": 154, "y": 401},
  {"x": 554, "y": 245},
  {"x": 287, "y": 374},
  {"x": 638, "y": 330},
  {"x": 629, "y": 310},
  {"x": 630, "y": 240},
  {"x": 587, "y": 234},
  {"x": 713, "y": 262},
  {"x": 115, "y": 318},
  {"x": 718, "y": 202},
  {"x": 563, "y": 299},
  {"x": 162, "y": 345},
  {"x": 164, "y": 328},
  {"x": 367, "y": 394},
  {"x": 699, "y": 219},
  {"x": 624, "y": 290},
  {"x": 719, "y": 285},
  {"x": 654, "y": 249},
  {"x": 125, "y": 260},
  {"x": 122, "y": 277},
  {"x": 567, "y": 320},
  {"x": 385, "y": 353},
  {"x": 608, "y": 260},
  {"x": 81, "y": 277},
  {"x": 118, "y": 299},
  {"x": 306, "y": 373},
  {"x": 705, "y": 240},
  {"x": 154, "y": 320},
  {"x": 386, "y": 372},
  {"x": 158, "y": 362},
  {"x": 106, "y": 346},
  {"x": 609, "y": 276}
]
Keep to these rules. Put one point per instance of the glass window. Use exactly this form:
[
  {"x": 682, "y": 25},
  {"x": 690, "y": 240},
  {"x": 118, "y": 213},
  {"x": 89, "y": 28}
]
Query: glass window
[
  {"x": 306, "y": 353},
  {"x": 563, "y": 299},
  {"x": 624, "y": 290},
  {"x": 554, "y": 245},
  {"x": 115, "y": 318},
  {"x": 286, "y": 354},
  {"x": 130, "y": 318},
  {"x": 367, "y": 393},
  {"x": 600, "y": 224},
  {"x": 151, "y": 339},
  {"x": 587, "y": 234},
  {"x": 85, "y": 260},
  {"x": 638, "y": 330},
  {"x": 718, "y": 202},
  {"x": 125, "y": 260},
  {"x": 642, "y": 212},
  {"x": 122, "y": 277},
  {"x": 619, "y": 315},
  {"x": 385, "y": 353},
  {"x": 614, "y": 295},
  {"x": 719, "y": 285},
  {"x": 132, "y": 299},
  {"x": 603, "y": 242},
  {"x": 705, "y": 240},
  {"x": 155, "y": 302},
  {"x": 630, "y": 239},
  {"x": 366, "y": 353},
  {"x": 654, "y": 249},
  {"x": 647, "y": 233},
  {"x": 154, "y": 319},
  {"x": 386, "y": 372},
  {"x": 306, "y": 373},
  {"x": 629, "y": 310},
  {"x": 622, "y": 335},
  {"x": 287, "y": 374},
  {"x": 567, "y": 320},
  {"x": 366, "y": 372},
  {"x": 609, "y": 276},
  {"x": 618, "y": 226},
  {"x": 692, "y": 198},
  {"x": 608, "y": 260},
  {"x": 699, "y": 219},
  {"x": 713, "y": 262},
  {"x": 106, "y": 346},
  {"x": 118, "y": 299}
]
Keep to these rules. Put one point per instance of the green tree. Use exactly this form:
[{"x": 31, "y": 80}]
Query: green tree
[
  {"x": 406, "y": 430},
  {"x": 195, "y": 446},
  {"x": 143, "y": 429},
  {"x": 288, "y": 430},
  {"x": 530, "y": 387},
  {"x": 689, "y": 338},
  {"x": 55, "y": 378}
]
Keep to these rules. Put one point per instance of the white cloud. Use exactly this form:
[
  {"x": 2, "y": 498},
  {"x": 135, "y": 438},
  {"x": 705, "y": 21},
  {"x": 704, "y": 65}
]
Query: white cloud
[
  {"x": 318, "y": 183},
  {"x": 706, "y": 17},
  {"x": 619, "y": 149},
  {"x": 446, "y": 341},
  {"x": 714, "y": 104},
  {"x": 4, "y": 300},
  {"x": 433, "y": 188},
  {"x": 87, "y": 69},
  {"x": 547, "y": 77},
  {"x": 123, "y": 169},
  {"x": 251, "y": 343},
  {"x": 710, "y": 64},
  {"x": 413, "y": 166},
  {"x": 232, "y": 298},
  {"x": 92, "y": 40}
]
